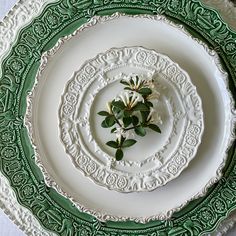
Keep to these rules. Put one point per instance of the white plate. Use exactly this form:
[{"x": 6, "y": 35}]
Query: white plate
[
  {"x": 206, "y": 74},
  {"x": 156, "y": 158}
]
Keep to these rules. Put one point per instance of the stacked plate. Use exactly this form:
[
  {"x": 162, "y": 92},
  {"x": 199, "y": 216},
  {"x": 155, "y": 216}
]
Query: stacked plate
[{"x": 60, "y": 73}]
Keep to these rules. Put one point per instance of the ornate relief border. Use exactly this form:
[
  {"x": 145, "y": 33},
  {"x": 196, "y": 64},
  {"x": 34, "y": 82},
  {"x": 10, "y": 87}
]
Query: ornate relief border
[
  {"x": 89, "y": 165},
  {"x": 19, "y": 16}
]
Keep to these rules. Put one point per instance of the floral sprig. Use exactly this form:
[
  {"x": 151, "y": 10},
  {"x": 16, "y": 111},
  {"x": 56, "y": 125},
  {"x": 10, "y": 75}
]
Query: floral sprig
[{"x": 131, "y": 111}]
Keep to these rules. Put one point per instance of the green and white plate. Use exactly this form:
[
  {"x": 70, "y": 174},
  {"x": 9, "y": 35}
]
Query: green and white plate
[{"x": 55, "y": 212}]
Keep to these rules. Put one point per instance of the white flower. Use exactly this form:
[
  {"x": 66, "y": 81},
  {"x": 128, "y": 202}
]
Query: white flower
[
  {"x": 137, "y": 81},
  {"x": 130, "y": 98},
  {"x": 154, "y": 117},
  {"x": 124, "y": 97},
  {"x": 152, "y": 84},
  {"x": 120, "y": 132}
]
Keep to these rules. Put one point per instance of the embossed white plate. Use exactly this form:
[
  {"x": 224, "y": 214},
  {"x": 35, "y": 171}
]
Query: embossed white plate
[
  {"x": 155, "y": 159},
  {"x": 194, "y": 57}
]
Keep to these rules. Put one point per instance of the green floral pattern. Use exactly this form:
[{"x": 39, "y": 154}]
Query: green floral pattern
[{"x": 16, "y": 155}]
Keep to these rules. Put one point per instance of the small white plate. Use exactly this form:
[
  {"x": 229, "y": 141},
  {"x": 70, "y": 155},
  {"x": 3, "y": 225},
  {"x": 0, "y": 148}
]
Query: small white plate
[{"x": 156, "y": 158}]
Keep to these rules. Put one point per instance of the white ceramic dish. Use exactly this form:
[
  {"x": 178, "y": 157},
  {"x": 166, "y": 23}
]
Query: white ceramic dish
[
  {"x": 156, "y": 159},
  {"x": 206, "y": 73}
]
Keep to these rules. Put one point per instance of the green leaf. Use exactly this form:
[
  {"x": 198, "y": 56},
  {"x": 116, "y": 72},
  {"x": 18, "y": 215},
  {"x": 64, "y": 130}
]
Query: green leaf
[
  {"x": 103, "y": 113},
  {"x": 144, "y": 115},
  {"x": 131, "y": 81},
  {"x": 129, "y": 143},
  {"x": 145, "y": 91},
  {"x": 120, "y": 115},
  {"x": 119, "y": 104},
  {"x": 115, "y": 109},
  {"x": 124, "y": 82},
  {"x": 128, "y": 88},
  {"x": 104, "y": 124},
  {"x": 113, "y": 130},
  {"x": 127, "y": 121},
  {"x": 110, "y": 121},
  {"x": 135, "y": 120},
  {"x": 141, "y": 107},
  {"x": 112, "y": 144},
  {"x": 149, "y": 104},
  {"x": 119, "y": 154},
  {"x": 140, "y": 131},
  {"x": 127, "y": 113},
  {"x": 154, "y": 127}
]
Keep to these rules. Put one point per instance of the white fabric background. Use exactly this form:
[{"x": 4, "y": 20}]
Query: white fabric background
[{"x": 7, "y": 228}]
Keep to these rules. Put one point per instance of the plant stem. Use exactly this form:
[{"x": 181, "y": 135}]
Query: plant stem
[
  {"x": 117, "y": 121},
  {"x": 132, "y": 127}
]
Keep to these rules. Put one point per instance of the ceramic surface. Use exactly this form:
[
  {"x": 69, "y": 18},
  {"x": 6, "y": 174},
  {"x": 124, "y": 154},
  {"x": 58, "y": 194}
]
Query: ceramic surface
[{"x": 227, "y": 181}]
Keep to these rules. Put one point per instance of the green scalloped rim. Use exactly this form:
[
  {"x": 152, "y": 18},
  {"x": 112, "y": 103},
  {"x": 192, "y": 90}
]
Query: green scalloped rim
[{"x": 19, "y": 68}]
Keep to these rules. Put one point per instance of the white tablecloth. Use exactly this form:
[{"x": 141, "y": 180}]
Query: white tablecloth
[{"x": 7, "y": 228}]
